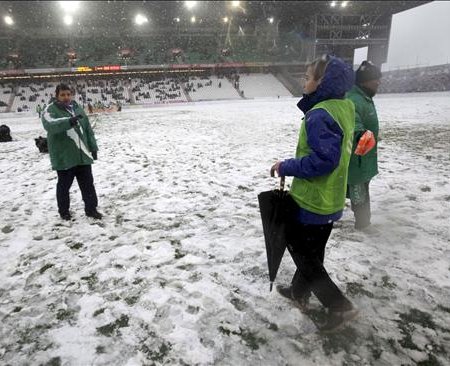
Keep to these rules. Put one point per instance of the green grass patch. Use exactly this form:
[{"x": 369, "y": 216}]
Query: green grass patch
[{"x": 109, "y": 329}]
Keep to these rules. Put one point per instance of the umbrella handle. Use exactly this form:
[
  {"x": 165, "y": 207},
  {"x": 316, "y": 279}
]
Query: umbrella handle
[{"x": 282, "y": 183}]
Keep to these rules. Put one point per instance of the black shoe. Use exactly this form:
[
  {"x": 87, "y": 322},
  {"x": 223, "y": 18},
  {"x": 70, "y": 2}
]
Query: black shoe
[
  {"x": 94, "y": 214},
  {"x": 337, "y": 319},
  {"x": 287, "y": 292},
  {"x": 66, "y": 216}
]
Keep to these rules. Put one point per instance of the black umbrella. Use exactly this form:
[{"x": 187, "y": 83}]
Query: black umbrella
[{"x": 276, "y": 209}]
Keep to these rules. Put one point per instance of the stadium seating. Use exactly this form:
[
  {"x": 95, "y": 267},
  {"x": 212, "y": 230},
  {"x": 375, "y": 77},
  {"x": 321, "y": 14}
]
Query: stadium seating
[
  {"x": 211, "y": 88},
  {"x": 5, "y": 94},
  {"x": 102, "y": 93},
  {"x": 28, "y": 96},
  {"x": 261, "y": 85},
  {"x": 148, "y": 91},
  {"x": 434, "y": 78}
]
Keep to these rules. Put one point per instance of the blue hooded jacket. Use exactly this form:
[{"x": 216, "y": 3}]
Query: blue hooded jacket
[{"x": 323, "y": 133}]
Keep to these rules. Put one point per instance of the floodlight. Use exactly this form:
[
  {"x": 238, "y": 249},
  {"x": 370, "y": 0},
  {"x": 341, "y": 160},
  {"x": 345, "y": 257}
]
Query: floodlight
[
  {"x": 70, "y": 6},
  {"x": 8, "y": 20},
  {"x": 140, "y": 19},
  {"x": 68, "y": 19},
  {"x": 190, "y": 4}
]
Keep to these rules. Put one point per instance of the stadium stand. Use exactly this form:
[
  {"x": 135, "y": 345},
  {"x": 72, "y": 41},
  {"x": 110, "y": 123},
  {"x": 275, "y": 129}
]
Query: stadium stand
[
  {"x": 211, "y": 88},
  {"x": 29, "y": 95},
  {"x": 425, "y": 79},
  {"x": 164, "y": 90},
  {"x": 99, "y": 93},
  {"x": 261, "y": 85},
  {"x": 102, "y": 91},
  {"x": 5, "y": 95}
]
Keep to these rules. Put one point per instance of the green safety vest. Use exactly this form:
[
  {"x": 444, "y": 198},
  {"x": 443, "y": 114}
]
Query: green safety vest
[{"x": 325, "y": 195}]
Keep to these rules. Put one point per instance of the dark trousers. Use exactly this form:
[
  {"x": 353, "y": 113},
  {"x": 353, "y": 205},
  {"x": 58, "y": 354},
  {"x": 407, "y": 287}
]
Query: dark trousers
[
  {"x": 83, "y": 173},
  {"x": 306, "y": 244},
  {"x": 360, "y": 204}
]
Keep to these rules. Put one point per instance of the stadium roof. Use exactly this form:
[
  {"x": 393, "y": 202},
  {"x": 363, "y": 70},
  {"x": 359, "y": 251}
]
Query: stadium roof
[{"x": 32, "y": 15}]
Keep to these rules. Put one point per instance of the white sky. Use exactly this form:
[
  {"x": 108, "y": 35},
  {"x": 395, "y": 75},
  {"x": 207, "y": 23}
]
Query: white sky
[{"x": 420, "y": 36}]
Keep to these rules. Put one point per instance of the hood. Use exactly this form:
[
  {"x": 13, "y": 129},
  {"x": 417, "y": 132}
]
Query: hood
[{"x": 338, "y": 79}]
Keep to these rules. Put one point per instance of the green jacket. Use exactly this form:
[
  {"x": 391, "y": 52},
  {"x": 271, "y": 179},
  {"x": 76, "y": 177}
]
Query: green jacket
[
  {"x": 68, "y": 146},
  {"x": 363, "y": 168},
  {"x": 325, "y": 195}
]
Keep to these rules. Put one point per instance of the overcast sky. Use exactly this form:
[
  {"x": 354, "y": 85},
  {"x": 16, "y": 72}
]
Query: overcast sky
[{"x": 420, "y": 36}]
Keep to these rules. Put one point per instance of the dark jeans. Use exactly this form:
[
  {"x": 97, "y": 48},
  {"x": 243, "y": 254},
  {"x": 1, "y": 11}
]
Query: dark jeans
[
  {"x": 360, "y": 203},
  {"x": 306, "y": 244},
  {"x": 83, "y": 173}
]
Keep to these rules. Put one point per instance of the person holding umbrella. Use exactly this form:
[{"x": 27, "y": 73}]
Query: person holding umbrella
[{"x": 320, "y": 170}]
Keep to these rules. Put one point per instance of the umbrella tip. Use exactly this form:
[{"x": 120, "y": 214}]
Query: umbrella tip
[{"x": 271, "y": 286}]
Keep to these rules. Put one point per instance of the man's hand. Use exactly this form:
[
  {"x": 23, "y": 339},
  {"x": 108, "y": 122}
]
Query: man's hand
[
  {"x": 94, "y": 155},
  {"x": 74, "y": 120},
  {"x": 275, "y": 168}
]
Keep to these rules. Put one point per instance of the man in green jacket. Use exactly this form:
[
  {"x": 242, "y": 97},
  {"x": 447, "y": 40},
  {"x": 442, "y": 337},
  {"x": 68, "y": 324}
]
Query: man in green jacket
[
  {"x": 72, "y": 148},
  {"x": 363, "y": 168}
]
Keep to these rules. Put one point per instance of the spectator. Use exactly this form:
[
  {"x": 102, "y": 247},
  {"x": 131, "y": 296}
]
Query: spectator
[{"x": 72, "y": 149}]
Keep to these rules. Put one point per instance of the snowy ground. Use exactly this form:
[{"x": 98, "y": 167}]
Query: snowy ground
[{"x": 176, "y": 272}]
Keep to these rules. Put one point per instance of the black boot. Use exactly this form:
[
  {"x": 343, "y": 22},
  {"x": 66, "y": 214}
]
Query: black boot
[
  {"x": 300, "y": 302},
  {"x": 338, "y": 318},
  {"x": 94, "y": 214},
  {"x": 66, "y": 216}
]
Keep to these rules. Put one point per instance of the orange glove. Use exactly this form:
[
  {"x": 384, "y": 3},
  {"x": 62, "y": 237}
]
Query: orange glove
[{"x": 366, "y": 143}]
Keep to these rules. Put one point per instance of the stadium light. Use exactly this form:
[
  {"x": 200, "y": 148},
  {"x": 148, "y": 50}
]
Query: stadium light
[
  {"x": 68, "y": 19},
  {"x": 8, "y": 20},
  {"x": 193, "y": 20},
  {"x": 333, "y": 4},
  {"x": 270, "y": 20},
  {"x": 176, "y": 20},
  {"x": 344, "y": 4},
  {"x": 235, "y": 4},
  {"x": 225, "y": 19},
  {"x": 190, "y": 4},
  {"x": 140, "y": 19},
  {"x": 70, "y": 6}
]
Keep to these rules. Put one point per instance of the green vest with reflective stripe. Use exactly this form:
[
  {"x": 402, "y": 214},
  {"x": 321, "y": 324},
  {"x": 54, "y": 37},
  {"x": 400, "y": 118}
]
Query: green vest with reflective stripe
[{"x": 325, "y": 195}]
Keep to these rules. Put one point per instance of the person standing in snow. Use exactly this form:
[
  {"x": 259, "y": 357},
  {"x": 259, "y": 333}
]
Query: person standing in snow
[
  {"x": 73, "y": 148},
  {"x": 363, "y": 168},
  {"x": 39, "y": 110},
  {"x": 319, "y": 185}
]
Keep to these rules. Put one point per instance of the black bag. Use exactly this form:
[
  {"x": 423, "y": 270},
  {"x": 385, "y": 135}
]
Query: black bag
[
  {"x": 41, "y": 143},
  {"x": 5, "y": 134}
]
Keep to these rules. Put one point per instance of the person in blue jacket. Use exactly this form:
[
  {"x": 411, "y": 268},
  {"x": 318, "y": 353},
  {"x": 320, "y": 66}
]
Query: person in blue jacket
[{"x": 320, "y": 171}]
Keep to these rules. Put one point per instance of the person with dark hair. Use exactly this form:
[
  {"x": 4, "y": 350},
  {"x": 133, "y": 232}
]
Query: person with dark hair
[
  {"x": 5, "y": 134},
  {"x": 364, "y": 167},
  {"x": 318, "y": 189},
  {"x": 73, "y": 148}
]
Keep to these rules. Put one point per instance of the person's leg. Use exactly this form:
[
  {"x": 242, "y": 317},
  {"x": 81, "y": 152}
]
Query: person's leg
[
  {"x": 65, "y": 180},
  {"x": 360, "y": 204},
  {"x": 86, "y": 184},
  {"x": 308, "y": 254}
]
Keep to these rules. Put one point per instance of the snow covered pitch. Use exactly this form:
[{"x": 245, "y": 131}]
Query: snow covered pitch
[{"x": 176, "y": 272}]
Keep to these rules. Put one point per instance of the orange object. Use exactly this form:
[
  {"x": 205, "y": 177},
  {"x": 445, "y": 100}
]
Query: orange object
[{"x": 366, "y": 143}]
